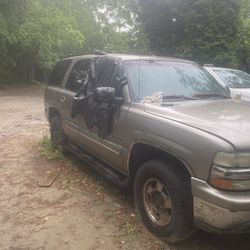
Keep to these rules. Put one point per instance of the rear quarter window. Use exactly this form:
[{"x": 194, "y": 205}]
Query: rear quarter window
[{"x": 58, "y": 73}]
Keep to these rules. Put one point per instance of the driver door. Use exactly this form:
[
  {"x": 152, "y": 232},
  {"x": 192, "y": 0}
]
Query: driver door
[{"x": 110, "y": 148}]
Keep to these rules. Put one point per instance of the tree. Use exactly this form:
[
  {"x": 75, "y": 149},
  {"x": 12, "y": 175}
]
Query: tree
[
  {"x": 5, "y": 60},
  {"x": 44, "y": 36},
  {"x": 36, "y": 33},
  {"x": 120, "y": 27},
  {"x": 202, "y": 30},
  {"x": 8, "y": 23},
  {"x": 243, "y": 47}
]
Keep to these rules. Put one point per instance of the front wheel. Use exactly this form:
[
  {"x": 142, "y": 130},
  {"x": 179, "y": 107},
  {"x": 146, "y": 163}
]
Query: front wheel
[
  {"x": 56, "y": 133},
  {"x": 163, "y": 199}
]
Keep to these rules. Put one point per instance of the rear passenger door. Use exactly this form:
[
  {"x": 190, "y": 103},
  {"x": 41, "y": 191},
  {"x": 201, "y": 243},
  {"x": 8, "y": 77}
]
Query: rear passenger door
[
  {"x": 73, "y": 83},
  {"x": 55, "y": 96}
]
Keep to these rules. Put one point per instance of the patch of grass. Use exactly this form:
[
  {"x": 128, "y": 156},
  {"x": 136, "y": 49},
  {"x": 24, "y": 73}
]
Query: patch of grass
[
  {"x": 126, "y": 235},
  {"x": 132, "y": 230},
  {"x": 48, "y": 150}
]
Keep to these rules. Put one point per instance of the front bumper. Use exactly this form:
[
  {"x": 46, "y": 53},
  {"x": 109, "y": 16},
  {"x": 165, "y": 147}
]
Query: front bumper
[{"x": 220, "y": 211}]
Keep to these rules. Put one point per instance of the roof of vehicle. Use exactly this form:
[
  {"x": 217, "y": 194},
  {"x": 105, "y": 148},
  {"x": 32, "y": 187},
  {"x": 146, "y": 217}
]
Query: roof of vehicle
[
  {"x": 219, "y": 68},
  {"x": 127, "y": 57}
]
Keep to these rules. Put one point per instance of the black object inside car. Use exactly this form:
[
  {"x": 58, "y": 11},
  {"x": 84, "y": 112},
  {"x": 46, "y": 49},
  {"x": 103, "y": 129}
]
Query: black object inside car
[{"x": 100, "y": 94}]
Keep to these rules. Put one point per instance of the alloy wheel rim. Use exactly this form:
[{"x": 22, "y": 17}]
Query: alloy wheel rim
[{"x": 157, "y": 202}]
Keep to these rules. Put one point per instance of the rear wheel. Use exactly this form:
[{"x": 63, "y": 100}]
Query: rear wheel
[
  {"x": 56, "y": 133},
  {"x": 163, "y": 199}
]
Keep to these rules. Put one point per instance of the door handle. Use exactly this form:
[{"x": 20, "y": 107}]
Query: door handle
[{"x": 63, "y": 99}]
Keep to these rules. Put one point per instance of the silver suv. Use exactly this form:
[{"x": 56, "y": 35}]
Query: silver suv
[
  {"x": 236, "y": 80},
  {"x": 162, "y": 126}
]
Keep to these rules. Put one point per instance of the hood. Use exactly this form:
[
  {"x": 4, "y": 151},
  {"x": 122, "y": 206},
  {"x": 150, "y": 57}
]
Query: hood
[
  {"x": 243, "y": 93},
  {"x": 228, "y": 119}
]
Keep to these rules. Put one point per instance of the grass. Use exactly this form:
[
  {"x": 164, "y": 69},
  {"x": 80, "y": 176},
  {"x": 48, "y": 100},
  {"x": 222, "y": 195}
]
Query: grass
[
  {"x": 48, "y": 150},
  {"x": 128, "y": 232}
]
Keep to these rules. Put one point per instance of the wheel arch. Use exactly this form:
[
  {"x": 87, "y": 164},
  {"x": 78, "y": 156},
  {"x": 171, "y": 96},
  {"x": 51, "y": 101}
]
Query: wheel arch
[{"x": 141, "y": 152}]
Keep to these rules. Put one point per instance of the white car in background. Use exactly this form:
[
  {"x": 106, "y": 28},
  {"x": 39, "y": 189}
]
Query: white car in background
[{"x": 236, "y": 80}]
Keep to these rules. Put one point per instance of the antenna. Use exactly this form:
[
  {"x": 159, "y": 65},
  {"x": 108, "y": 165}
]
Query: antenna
[{"x": 140, "y": 49}]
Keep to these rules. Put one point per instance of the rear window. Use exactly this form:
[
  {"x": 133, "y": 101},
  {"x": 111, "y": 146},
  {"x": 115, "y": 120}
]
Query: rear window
[{"x": 58, "y": 72}]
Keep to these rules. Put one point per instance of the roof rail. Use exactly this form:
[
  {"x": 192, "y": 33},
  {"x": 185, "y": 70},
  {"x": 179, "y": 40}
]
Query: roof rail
[
  {"x": 99, "y": 53},
  {"x": 208, "y": 65}
]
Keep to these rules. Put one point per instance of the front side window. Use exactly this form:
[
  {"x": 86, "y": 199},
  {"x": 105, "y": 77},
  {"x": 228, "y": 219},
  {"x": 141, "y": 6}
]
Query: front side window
[
  {"x": 78, "y": 75},
  {"x": 58, "y": 73},
  {"x": 172, "y": 79},
  {"x": 234, "y": 78},
  {"x": 109, "y": 73}
]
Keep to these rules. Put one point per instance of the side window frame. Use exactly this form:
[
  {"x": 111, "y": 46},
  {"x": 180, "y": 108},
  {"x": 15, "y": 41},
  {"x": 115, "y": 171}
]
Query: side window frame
[{"x": 131, "y": 95}]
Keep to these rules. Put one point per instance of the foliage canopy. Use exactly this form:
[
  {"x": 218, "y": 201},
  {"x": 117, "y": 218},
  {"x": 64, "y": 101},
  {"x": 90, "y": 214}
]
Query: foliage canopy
[{"x": 34, "y": 34}]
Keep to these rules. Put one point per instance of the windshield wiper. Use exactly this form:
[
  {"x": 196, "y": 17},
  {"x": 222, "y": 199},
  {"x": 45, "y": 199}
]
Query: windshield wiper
[
  {"x": 176, "y": 97},
  {"x": 160, "y": 97},
  {"x": 210, "y": 95}
]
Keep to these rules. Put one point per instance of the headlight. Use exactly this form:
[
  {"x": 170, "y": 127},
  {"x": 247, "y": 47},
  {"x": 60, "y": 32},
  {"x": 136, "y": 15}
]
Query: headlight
[{"x": 231, "y": 171}]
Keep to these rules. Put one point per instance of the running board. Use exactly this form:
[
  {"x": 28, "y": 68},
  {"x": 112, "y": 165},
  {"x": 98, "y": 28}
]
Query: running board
[{"x": 103, "y": 169}]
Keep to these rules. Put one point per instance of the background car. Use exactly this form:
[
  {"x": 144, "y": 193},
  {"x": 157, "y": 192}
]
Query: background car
[{"x": 236, "y": 80}]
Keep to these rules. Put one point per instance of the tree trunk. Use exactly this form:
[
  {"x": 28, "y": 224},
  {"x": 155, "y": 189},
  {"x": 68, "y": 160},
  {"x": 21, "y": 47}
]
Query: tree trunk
[{"x": 32, "y": 73}]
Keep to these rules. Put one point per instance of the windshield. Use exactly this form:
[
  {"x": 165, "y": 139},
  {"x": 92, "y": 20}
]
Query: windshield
[
  {"x": 173, "y": 79},
  {"x": 234, "y": 78}
]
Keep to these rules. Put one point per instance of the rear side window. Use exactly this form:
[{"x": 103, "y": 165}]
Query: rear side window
[
  {"x": 58, "y": 72},
  {"x": 78, "y": 75}
]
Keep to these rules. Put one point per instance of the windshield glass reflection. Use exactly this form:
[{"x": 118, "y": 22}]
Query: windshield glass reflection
[{"x": 174, "y": 80}]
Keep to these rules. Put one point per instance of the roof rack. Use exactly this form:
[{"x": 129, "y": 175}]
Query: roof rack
[
  {"x": 208, "y": 65},
  {"x": 99, "y": 53}
]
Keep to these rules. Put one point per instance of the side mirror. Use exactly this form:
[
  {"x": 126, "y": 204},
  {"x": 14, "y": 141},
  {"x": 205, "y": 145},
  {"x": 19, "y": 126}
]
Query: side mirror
[
  {"x": 228, "y": 91},
  {"x": 106, "y": 95}
]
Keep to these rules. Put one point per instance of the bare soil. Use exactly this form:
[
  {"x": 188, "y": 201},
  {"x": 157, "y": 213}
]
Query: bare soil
[{"x": 80, "y": 210}]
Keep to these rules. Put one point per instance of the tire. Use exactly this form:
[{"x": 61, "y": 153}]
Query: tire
[
  {"x": 163, "y": 198},
  {"x": 57, "y": 135}
]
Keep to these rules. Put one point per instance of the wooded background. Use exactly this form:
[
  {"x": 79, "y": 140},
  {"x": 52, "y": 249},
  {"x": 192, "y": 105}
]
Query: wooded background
[{"x": 34, "y": 34}]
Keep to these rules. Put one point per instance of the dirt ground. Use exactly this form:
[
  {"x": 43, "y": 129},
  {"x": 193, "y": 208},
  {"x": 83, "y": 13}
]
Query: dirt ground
[{"x": 80, "y": 210}]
